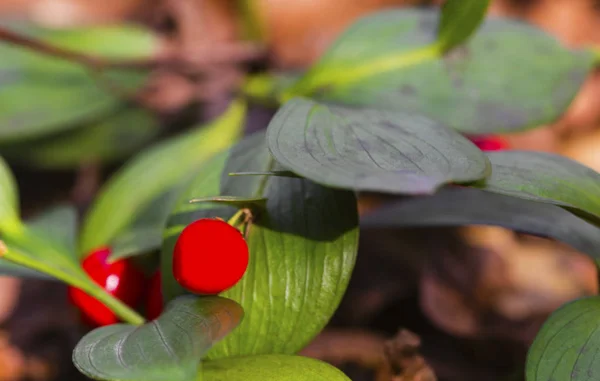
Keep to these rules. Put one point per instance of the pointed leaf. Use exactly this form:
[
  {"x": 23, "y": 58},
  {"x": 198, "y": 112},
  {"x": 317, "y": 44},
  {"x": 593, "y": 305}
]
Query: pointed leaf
[
  {"x": 105, "y": 141},
  {"x": 389, "y": 60},
  {"x": 545, "y": 177},
  {"x": 370, "y": 150},
  {"x": 466, "y": 206},
  {"x": 167, "y": 349},
  {"x": 302, "y": 250},
  {"x": 459, "y": 20},
  {"x": 153, "y": 173},
  {"x": 566, "y": 347},
  {"x": 271, "y": 368}
]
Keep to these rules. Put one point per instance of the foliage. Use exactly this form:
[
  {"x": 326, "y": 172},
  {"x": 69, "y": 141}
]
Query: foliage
[{"x": 383, "y": 110}]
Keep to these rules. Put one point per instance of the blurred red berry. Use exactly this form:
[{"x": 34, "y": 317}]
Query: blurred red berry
[
  {"x": 154, "y": 301},
  {"x": 210, "y": 256},
  {"x": 120, "y": 279},
  {"x": 490, "y": 143}
]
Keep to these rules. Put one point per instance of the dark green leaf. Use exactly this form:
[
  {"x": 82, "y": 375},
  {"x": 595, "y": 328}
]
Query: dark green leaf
[
  {"x": 567, "y": 346},
  {"x": 302, "y": 250},
  {"x": 545, "y": 177},
  {"x": 371, "y": 150},
  {"x": 167, "y": 349},
  {"x": 106, "y": 141},
  {"x": 466, "y": 206},
  {"x": 153, "y": 173},
  {"x": 271, "y": 368},
  {"x": 460, "y": 19},
  {"x": 510, "y": 76}
]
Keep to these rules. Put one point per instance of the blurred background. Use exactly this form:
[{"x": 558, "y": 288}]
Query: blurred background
[{"x": 472, "y": 298}]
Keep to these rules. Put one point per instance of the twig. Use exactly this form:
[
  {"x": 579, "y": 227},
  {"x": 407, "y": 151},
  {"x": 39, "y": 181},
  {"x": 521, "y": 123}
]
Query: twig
[
  {"x": 211, "y": 55},
  {"x": 94, "y": 62}
]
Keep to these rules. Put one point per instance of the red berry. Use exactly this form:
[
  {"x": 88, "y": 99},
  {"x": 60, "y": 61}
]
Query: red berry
[
  {"x": 154, "y": 301},
  {"x": 210, "y": 257},
  {"x": 120, "y": 279},
  {"x": 490, "y": 143}
]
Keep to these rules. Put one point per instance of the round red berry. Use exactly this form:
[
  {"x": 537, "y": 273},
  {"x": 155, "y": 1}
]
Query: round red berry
[
  {"x": 210, "y": 256},
  {"x": 154, "y": 301},
  {"x": 120, "y": 279}
]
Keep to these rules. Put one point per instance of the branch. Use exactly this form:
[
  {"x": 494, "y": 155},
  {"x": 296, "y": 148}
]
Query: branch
[{"x": 96, "y": 63}]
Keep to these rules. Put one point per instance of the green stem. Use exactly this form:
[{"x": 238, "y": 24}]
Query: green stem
[
  {"x": 62, "y": 268},
  {"x": 235, "y": 219}
]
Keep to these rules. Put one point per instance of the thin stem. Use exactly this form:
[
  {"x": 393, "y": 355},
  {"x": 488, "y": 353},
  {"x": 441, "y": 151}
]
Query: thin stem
[
  {"x": 236, "y": 218},
  {"x": 69, "y": 55}
]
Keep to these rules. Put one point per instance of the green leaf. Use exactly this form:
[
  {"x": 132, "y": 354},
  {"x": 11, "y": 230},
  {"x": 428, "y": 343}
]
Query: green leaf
[
  {"x": 9, "y": 198},
  {"x": 566, "y": 347},
  {"x": 153, "y": 173},
  {"x": 271, "y": 368},
  {"x": 459, "y": 20},
  {"x": 106, "y": 141},
  {"x": 302, "y": 250},
  {"x": 545, "y": 177},
  {"x": 467, "y": 206},
  {"x": 169, "y": 348},
  {"x": 33, "y": 248},
  {"x": 41, "y": 94},
  {"x": 137, "y": 241},
  {"x": 510, "y": 76},
  {"x": 371, "y": 150},
  {"x": 58, "y": 224}
]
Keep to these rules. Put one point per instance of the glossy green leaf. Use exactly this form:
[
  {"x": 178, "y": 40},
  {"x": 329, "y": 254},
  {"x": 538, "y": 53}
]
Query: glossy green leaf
[
  {"x": 510, "y": 76},
  {"x": 302, "y": 250},
  {"x": 41, "y": 94},
  {"x": 271, "y": 368},
  {"x": 166, "y": 349},
  {"x": 153, "y": 173},
  {"x": 467, "y": 206},
  {"x": 567, "y": 346},
  {"x": 9, "y": 198},
  {"x": 545, "y": 177},
  {"x": 105, "y": 141},
  {"x": 371, "y": 150},
  {"x": 459, "y": 20}
]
